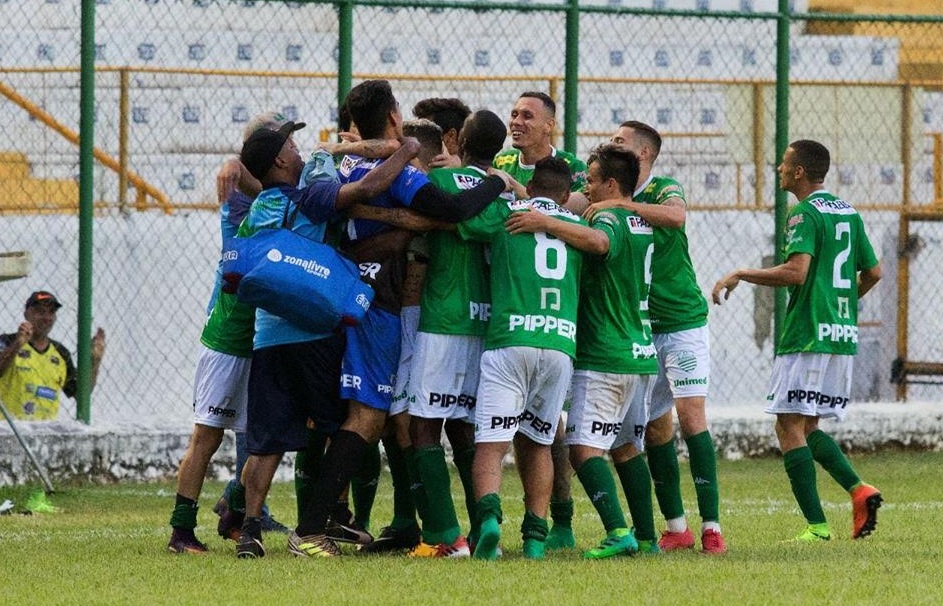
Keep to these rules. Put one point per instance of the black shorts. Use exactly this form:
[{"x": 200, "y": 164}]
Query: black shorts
[{"x": 289, "y": 384}]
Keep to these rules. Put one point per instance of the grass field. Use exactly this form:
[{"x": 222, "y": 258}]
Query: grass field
[{"x": 106, "y": 545}]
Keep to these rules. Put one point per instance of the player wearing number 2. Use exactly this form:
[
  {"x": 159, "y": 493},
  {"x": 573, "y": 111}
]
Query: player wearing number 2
[{"x": 829, "y": 265}]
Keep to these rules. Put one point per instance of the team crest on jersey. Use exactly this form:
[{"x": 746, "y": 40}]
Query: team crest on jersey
[
  {"x": 638, "y": 225},
  {"x": 350, "y": 163},
  {"x": 466, "y": 181}
]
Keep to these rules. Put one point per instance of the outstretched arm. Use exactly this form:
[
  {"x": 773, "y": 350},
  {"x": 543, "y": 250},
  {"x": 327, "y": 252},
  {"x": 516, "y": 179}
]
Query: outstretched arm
[
  {"x": 380, "y": 178},
  {"x": 790, "y": 273},
  {"x": 579, "y": 236},
  {"x": 671, "y": 213},
  {"x": 397, "y": 217}
]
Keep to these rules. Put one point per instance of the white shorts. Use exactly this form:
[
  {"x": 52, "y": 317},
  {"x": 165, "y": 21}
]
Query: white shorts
[
  {"x": 409, "y": 326},
  {"x": 521, "y": 391},
  {"x": 600, "y": 403},
  {"x": 810, "y": 384},
  {"x": 637, "y": 416},
  {"x": 684, "y": 368},
  {"x": 444, "y": 376},
  {"x": 221, "y": 390}
]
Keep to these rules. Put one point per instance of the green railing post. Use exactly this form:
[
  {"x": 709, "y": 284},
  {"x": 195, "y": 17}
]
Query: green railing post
[
  {"x": 345, "y": 49},
  {"x": 782, "y": 141},
  {"x": 571, "y": 77},
  {"x": 83, "y": 410}
]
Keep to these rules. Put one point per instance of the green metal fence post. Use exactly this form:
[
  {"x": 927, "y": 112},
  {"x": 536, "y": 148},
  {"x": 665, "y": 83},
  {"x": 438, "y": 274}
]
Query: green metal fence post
[
  {"x": 86, "y": 210},
  {"x": 345, "y": 49},
  {"x": 782, "y": 141},
  {"x": 571, "y": 75}
]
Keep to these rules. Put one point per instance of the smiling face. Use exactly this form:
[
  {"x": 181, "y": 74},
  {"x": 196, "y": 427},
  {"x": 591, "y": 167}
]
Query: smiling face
[
  {"x": 43, "y": 317},
  {"x": 531, "y": 124}
]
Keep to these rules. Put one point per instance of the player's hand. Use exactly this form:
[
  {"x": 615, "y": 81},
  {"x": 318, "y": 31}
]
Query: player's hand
[
  {"x": 228, "y": 179},
  {"x": 596, "y": 207},
  {"x": 23, "y": 334},
  {"x": 724, "y": 287},
  {"x": 503, "y": 175},
  {"x": 348, "y": 136},
  {"x": 98, "y": 345},
  {"x": 528, "y": 222},
  {"x": 445, "y": 161}
]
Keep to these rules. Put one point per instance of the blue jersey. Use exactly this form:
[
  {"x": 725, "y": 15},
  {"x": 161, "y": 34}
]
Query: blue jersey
[
  {"x": 311, "y": 207},
  {"x": 400, "y": 193},
  {"x": 231, "y": 213}
]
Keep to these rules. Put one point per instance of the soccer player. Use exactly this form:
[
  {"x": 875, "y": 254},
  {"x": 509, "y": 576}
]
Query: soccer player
[
  {"x": 679, "y": 322},
  {"x": 528, "y": 359},
  {"x": 450, "y": 115},
  {"x": 614, "y": 354},
  {"x": 373, "y": 347},
  {"x": 444, "y": 378},
  {"x": 532, "y": 123},
  {"x": 829, "y": 265}
]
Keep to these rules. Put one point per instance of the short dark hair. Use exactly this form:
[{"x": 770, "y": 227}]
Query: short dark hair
[
  {"x": 483, "y": 135},
  {"x": 648, "y": 133},
  {"x": 370, "y": 102},
  {"x": 617, "y": 163},
  {"x": 551, "y": 179},
  {"x": 449, "y": 114},
  {"x": 343, "y": 118},
  {"x": 429, "y": 135},
  {"x": 813, "y": 157},
  {"x": 544, "y": 98}
]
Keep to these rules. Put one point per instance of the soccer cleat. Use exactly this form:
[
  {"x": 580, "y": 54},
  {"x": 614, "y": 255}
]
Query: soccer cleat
[
  {"x": 230, "y": 524},
  {"x": 394, "y": 539},
  {"x": 672, "y": 541},
  {"x": 712, "y": 542},
  {"x": 349, "y": 532},
  {"x": 560, "y": 537},
  {"x": 533, "y": 549},
  {"x": 648, "y": 547},
  {"x": 488, "y": 538},
  {"x": 249, "y": 547},
  {"x": 814, "y": 533},
  {"x": 221, "y": 506},
  {"x": 457, "y": 549},
  {"x": 312, "y": 546},
  {"x": 619, "y": 541},
  {"x": 270, "y": 524},
  {"x": 184, "y": 541},
  {"x": 865, "y": 501}
]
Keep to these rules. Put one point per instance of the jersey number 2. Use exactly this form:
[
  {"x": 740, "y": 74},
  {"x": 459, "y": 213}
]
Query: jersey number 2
[{"x": 841, "y": 229}]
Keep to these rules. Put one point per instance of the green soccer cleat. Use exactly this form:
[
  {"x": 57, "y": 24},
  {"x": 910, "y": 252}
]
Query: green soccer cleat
[
  {"x": 534, "y": 549},
  {"x": 649, "y": 547},
  {"x": 312, "y": 546},
  {"x": 560, "y": 537},
  {"x": 618, "y": 542},
  {"x": 488, "y": 538},
  {"x": 814, "y": 533}
]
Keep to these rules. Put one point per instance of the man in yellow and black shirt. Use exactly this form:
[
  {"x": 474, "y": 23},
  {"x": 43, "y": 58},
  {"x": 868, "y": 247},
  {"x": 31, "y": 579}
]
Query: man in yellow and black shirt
[{"x": 35, "y": 368}]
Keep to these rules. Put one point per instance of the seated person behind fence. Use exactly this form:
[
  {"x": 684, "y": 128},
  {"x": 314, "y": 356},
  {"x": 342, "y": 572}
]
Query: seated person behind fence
[{"x": 35, "y": 368}]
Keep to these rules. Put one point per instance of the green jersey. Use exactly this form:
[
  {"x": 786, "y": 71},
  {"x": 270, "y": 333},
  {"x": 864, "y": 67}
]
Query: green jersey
[
  {"x": 615, "y": 332},
  {"x": 230, "y": 327},
  {"x": 534, "y": 279},
  {"x": 510, "y": 162},
  {"x": 822, "y": 314},
  {"x": 675, "y": 301},
  {"x": 456, "y": 297}
]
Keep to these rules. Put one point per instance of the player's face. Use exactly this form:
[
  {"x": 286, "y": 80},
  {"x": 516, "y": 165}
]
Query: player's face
[
  {"x": 397, "y": 118},
  {"x": 787, "y": 170},
  {"x": 531, "y": 124},
  {"x": 291, "y": 156},
  {"x": 42, "y": 316},
  {"x": 595, "y": 186},
  {"x": 625, "y": 138}
]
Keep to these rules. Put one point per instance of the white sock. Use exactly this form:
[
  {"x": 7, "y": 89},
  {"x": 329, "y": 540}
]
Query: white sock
[
  {"x": 710, "y": 526},
  {"x": 677, "y": 524}
]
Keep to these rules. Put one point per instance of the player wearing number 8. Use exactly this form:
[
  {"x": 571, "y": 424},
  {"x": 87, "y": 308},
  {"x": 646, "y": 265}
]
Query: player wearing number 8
[{"x": 829, "y": 265}]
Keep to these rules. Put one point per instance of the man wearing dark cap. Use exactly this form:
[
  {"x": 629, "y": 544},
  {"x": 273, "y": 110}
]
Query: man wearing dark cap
[
  {"x": 35, "y": 368},
  {"x": 295, "y": 373}
]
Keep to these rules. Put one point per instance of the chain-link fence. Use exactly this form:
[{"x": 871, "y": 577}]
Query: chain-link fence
[{"x": 176, "y": 81}]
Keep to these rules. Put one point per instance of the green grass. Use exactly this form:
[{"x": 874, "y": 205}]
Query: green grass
[{"x": 107, "y": 546}]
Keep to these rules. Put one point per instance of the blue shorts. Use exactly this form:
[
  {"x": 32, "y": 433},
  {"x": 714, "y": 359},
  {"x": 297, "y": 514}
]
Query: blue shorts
[
  {"x": 289, "y": 384},
  {"x": 368, "y": 373}
]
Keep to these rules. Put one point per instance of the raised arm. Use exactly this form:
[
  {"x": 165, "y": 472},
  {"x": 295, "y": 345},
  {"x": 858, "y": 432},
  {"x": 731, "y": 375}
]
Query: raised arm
[
  {"x": 578, "y": 236},
  {"x": 379, "y": 179},
  {"x": 233, "y": 175}
]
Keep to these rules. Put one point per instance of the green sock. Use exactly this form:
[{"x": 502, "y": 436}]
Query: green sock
[
  {"x": 827, "y": 453},
  {"x": 440, "y": 524},
  {"x": 463, "y": 460},
  {"x": 417, "y": 490},
  {"x": 636, "y": 484},
  {"x": 534, "y": 527},
  {"x": 184, "y": 513},
  {"x": 489, "y": 506},
  {"x": 363, "y": 486},
  {"x": 237, "y": 498},
  {"x": 404, "y": 509},
  {"x": 561, "y": 512},
  {"x": 666, "y": 478},
  {"x": 801, "y": 471},
  {"x": 307, "y": 467},
  {"x": 704, "y": 472},
  {"x": 599, "y": 484}
]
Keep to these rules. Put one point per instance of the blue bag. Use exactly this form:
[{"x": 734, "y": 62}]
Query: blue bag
[{"x": 308, "y": 283}]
